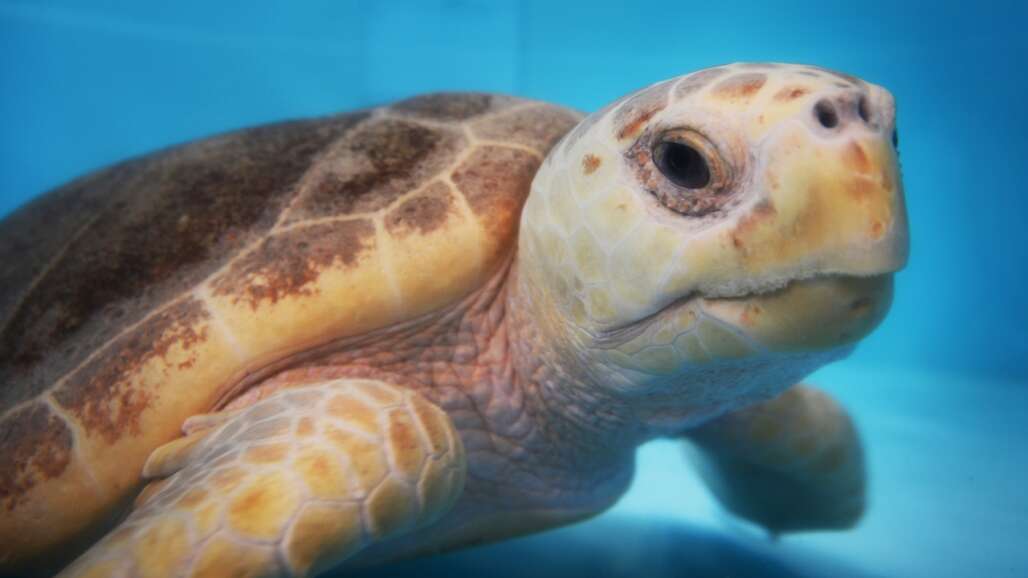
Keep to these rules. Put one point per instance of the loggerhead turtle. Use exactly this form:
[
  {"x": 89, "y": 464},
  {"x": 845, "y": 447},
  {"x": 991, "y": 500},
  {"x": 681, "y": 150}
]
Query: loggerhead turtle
[{"x": 442, "y": 322}]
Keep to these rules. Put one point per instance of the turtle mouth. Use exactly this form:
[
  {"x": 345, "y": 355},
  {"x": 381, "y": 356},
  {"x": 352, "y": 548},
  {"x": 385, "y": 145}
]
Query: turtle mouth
[
  {"x": 815, "y": 313},
  {"x": 818, "y": 312}
]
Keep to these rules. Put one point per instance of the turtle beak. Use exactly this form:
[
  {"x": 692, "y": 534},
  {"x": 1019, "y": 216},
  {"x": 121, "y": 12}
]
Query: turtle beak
[
  {"x": 830, "y": 203},
  {"x": 825, "y": 240},
  {"x": 809, "y": 315},
  {"x": 828, "y": 210}
]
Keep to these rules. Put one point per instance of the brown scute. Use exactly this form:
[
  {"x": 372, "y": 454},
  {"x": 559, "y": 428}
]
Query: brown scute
[
  {"x": 496, "y": 181},
  {"x": 374, "y": 166},
  {"x": 740, "y": 86},
  {"x": 285, "y": 264},
  {"x": 110, "y": 248},
  {"x": 26, "y": 247},
  {"x": 104, "y": 396},
  {"x": 697, "y": 81},
  {"x": 536, "y": 127},
  {"x": 37, "y": 447},
  {"x": 30, "y": 240},
  {"x": 791, "y": 93},
  {"x": 422, "y": 213},
  {"x": 632, "y": 116},
  {"x": 590, "y": 163},
  {"x": 446, "y": 106}
]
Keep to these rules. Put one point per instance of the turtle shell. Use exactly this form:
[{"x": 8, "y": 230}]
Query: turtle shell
[{"x": 137, "y": 296}]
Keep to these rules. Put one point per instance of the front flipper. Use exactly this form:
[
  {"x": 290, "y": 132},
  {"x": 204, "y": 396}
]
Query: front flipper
[
  {"x": 789, "y": 464},
  {"x": 290, "y": 486}
]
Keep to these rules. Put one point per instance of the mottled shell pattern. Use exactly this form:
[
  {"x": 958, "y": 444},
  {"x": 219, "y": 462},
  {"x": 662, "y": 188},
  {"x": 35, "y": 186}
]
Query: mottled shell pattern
[{"x": 143, "y": 294}]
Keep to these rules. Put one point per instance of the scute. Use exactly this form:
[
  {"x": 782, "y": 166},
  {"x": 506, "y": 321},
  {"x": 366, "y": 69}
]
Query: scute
[
  {"x": 22, "y": 465},
  {"x": 131, "y": 298},
  {"x": 287, "y": 263},
  {"x": 95, "y": 256},
  {"x": 97, "y": 394},
  {"x": 376, "y": 165},
  {"x": 491, "y": 178},
  {"x": 449, "y": 106},
  {"x": 422, "y": 213}
]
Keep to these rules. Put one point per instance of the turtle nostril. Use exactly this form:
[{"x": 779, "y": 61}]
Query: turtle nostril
[
  {"x": 864, "y": 109},
  {"x": 826, "y": 114}
]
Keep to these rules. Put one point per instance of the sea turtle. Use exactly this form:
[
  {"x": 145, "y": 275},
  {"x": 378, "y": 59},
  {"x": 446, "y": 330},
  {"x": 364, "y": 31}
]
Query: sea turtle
[{"x": 442, "y": 322}]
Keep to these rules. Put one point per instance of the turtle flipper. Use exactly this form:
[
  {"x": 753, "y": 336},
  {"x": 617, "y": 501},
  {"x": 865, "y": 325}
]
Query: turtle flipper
[
  {"x": 789, "y": 464},
  {"x": 290, "y": 486}
]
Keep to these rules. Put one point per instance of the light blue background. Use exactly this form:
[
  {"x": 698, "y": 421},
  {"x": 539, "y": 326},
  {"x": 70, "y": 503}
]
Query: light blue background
[{"x": 939, "y": 389}]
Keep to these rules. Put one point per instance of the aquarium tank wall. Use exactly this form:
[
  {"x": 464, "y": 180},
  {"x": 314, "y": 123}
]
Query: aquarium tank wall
[{"x": 939, "y": 391}]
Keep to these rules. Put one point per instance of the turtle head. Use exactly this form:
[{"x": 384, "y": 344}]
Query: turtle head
[{"x": 715, "y": 237}]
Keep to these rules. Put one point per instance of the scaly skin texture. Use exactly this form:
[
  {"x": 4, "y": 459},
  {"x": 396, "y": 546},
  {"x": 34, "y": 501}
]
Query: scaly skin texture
[
  {"x": 535, "y": 459},
  {"x": 532, "y": 463},
  {"x": 289, "y": 486}
]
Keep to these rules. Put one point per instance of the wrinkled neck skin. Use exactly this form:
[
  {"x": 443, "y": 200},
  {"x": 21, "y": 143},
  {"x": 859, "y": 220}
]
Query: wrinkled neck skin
[
  {"x": 549, "y": 428},
  {"x": 611, "y": 409},
  {"x": 568, "y": 390},
  {"x": 537, "y": 433},
  {"x": 548, "y": 418}
]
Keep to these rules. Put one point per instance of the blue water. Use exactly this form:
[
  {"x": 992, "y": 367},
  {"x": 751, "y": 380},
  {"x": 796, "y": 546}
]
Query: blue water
[{"x": 940, "y": 391}]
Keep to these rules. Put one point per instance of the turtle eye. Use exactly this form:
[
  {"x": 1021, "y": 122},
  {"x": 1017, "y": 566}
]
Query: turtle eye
[
  {"x": 689, "y": 160},
  {"x": 684, "y": 170},
  {"x": 695, "y": 175},
  {"x": 682, "y": 164}
]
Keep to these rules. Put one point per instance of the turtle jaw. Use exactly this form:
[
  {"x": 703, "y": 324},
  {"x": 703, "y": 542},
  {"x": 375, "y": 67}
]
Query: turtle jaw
[
  {"x": 702, "y": 356},
  {"x": 801, "y": 317},
  {"x": 816, "y": 314}
]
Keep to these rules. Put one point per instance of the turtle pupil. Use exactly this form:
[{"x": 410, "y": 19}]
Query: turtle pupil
[{"x": 683, "y": 165}]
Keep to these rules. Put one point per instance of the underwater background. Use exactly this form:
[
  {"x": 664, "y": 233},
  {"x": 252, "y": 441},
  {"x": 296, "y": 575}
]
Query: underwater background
[{"x": 940, "y": 391}]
